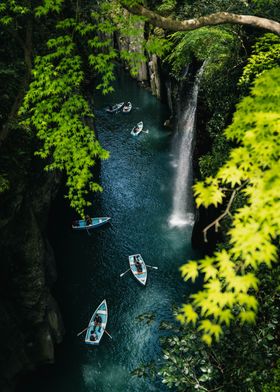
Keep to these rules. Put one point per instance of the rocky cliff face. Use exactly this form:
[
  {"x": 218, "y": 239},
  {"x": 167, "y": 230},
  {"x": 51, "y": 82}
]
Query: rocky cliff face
[{"x": 30, "y": 321}]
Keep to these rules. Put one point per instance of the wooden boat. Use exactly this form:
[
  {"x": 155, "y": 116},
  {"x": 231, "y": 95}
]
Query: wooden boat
[
  {"x": 94, "y": 335},
  {"x": 95, "y": 222},
  {"x": 115, "y": 108},
  {"x": 140, "y": 276},
  {"x": 137, "y": 129},
  {"x": 127, "y": 107}
]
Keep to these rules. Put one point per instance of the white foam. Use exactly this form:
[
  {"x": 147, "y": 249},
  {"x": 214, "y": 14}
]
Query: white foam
[{"x": 181, "y": 220}]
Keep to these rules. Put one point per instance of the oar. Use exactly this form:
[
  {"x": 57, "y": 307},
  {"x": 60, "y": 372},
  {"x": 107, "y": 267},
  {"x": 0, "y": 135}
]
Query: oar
[
  {"x": 147, "y": 131},
  {"x": 121, "y": 275},
  {"x": 151, "y": 266},
  {"x": 80, "y": 333},
  {"x": 88, "y": 232},
  {"x": 108, "y": 333}
]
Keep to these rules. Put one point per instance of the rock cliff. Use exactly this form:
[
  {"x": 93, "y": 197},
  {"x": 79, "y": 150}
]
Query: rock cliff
[{"x": 29, "y": 316}]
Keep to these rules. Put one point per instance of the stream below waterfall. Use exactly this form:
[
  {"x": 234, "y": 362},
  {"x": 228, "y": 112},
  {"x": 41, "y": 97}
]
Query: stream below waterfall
[{"x": 138, "y": 182}]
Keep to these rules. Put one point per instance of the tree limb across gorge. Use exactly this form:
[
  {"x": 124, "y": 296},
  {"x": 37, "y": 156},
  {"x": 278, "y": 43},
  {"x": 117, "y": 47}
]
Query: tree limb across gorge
[{"x": 210, "y": 20}]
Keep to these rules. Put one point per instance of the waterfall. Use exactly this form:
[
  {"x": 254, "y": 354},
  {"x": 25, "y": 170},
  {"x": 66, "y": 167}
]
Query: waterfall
[{"x": 182, "y": 212}]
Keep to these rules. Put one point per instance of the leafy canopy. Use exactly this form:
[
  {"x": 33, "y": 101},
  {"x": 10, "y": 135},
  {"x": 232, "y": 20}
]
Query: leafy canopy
[
  {"x": 214, "y": 44},
  {"x": 266, "y": 55},
  {"x": 58, "y": 111},
  {"x": 230, "y": 279}
]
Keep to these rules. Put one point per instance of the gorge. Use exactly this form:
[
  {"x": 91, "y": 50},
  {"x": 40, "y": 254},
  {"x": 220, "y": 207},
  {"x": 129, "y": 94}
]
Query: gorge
[{"x": 208, "y": 318}]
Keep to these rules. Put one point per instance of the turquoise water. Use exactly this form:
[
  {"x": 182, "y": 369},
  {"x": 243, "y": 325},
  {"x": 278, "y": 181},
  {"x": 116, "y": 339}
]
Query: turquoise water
[{"x": 138, "y": 182}]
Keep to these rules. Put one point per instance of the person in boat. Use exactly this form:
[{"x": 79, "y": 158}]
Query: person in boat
[
  {"x": 88, "y": 220},
  {"x": 138, "y": 265},
  {"x": 93, "y": 336},
  {"x": 97, "y": 322}
]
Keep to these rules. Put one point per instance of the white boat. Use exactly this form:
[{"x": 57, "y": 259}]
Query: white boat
[
  {"x": 137, "y": 129},
  {"x": 138, "y": 268},
  {"x": 127, "y": 107},
  {"x": 115, "y": 108},
  {"x": 95, "y": 331}
]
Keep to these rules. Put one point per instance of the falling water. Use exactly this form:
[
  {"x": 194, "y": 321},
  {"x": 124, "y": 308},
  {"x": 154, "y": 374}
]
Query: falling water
[{"x": 182, "y": 213}]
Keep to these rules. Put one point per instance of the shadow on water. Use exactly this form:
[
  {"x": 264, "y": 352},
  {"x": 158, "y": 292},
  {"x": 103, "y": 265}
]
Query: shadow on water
[{"x": 138, "y": 190}]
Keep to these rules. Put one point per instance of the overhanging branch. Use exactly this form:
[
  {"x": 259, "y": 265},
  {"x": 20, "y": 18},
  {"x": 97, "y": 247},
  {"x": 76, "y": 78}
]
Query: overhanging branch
[
  {"x": 210, "y": 20},
  {"x": 216, "y": 222}
]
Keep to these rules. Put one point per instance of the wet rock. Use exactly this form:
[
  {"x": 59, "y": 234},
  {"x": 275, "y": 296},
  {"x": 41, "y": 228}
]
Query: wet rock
[
  {"x": 154, "y": 76},
  {"x": 30, "y": 321}
]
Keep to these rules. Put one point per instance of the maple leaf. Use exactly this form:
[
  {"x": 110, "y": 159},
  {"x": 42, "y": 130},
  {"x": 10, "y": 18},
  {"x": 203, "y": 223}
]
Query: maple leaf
[
  {"x": 247, "y": 316},
  {"x": 190, "y": 270},
  {"x": 207, "y": 267},
  {"x": 190, "y": 314},
  {"x": 206, "y": 338}
]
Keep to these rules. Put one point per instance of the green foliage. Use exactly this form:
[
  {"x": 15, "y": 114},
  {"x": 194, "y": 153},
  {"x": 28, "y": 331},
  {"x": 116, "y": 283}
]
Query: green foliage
[
  {"x": 10, "y": 11},
  {"x": 111, "y": 18},
  {"x": 49, "y": 6},
  {"x": 166, "y": 7},
  {"x": 186, "y": 365},
  {"x": 214, "y": 44},
  {"x": 157, "y": 45},
  {"x": 55, "y": 107},
  {"x": 230, "y": 275},
  {"x": 274, "y": 385},
  {"x": 190, "y": 9},
  {"x": 242, "y": 359},
  {"x": 4, "y": 184},
  {"x": 210, "y": 163},
  {"x": 266, "y": 55}
]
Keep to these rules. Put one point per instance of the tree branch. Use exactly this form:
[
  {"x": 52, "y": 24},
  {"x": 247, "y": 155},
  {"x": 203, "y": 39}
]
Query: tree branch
[
  {"x": 216, "y": 222},
  {"x": 210, "y": 20}
]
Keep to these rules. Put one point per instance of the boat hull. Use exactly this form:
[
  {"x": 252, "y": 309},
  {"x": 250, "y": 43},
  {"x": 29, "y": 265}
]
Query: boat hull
[
  {"x": 115, "y": 108},
  {"x": 102, "y": 311},
  {"x": 141, "y": 277},
  {"x": 139, "y": 127},
  {"x": 96, "y": 222}
]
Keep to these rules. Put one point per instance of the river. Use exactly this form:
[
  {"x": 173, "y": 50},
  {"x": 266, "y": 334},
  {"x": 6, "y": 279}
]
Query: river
[{"x": 138, "y": 182}]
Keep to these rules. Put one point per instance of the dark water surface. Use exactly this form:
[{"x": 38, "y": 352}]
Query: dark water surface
[{"x": 138, "y": 182}]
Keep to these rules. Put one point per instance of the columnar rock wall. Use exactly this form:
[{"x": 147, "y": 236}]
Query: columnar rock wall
[{"x": 30, "y": 320}]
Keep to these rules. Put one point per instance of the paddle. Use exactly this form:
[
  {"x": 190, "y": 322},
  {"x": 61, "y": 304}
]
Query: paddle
[
  {"x": 121, "y": 275},
  {"x": 151, "y": 266},
  {"x": 78, "y": 334},
  {"x": 108, "y": 333},
  {"x": 147, "y": 131}
]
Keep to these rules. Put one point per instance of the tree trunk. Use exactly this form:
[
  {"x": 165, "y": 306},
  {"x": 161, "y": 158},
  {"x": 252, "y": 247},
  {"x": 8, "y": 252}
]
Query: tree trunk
[{"x": 210, "y": 20}]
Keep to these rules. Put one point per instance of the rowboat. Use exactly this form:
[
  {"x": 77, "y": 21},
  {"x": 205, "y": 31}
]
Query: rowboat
[
  {"x": 95, "y": 222},
  {"x": 139, "y": 273},
  {"x": 95, "y": 330},
  {"x": 137, "y": 129},
  {"x": 127, "y": 107},
  {"x": 115, "y": 108}
]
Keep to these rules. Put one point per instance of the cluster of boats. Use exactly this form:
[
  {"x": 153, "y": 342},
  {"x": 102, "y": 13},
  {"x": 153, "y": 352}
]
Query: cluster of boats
[
  {"x": 98, "y": 321},
  {"x": 126, "y": 107}
]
